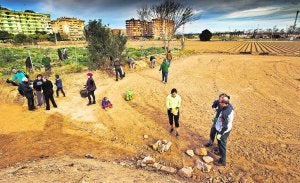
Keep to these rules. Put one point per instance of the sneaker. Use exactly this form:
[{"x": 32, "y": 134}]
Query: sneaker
[
  {"x": 94, "y": 102},
  {"x": 208, "y": 144},
  {"x": 89, "y": 104}
]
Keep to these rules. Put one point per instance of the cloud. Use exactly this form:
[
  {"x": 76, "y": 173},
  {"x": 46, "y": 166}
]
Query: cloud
[{"x": 254, "y": 12}]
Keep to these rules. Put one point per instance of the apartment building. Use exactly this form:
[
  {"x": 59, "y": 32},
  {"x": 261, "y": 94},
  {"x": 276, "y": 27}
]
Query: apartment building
[{"x": 69, "y": 28}]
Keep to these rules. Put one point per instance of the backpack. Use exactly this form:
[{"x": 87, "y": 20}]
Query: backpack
[{"x": 129, "y": 95}]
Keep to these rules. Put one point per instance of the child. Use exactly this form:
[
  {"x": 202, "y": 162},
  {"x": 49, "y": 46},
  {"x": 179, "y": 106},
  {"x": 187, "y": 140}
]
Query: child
[
  {"x": 106, "y": 103},
  {"x": 58, "y": 83}
]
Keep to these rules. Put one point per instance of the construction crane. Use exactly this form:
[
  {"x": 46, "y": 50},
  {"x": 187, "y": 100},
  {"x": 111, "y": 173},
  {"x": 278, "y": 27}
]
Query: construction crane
[{"x": 295, "y": 23}]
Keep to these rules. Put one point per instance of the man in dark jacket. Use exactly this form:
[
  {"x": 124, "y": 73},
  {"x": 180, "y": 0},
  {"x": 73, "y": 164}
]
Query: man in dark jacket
[
  {"x": 46, "y": 62},
  {"x": 48, "y": 92},
  {"x": 90, "y": 88},
  {"x": 28, "y": 64},
  {"x": 37, "y": 86},
  {"x": 28, "y": 93},
  {"x": 118, "y": 69}
]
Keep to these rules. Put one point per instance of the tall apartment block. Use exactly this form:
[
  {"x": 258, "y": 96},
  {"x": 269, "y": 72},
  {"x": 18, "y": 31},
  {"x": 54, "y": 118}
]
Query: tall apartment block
[
  {"x": 27, "y": 22},
  {"x": 69, "y": 28},
  {"x": 162, "y": 28}
]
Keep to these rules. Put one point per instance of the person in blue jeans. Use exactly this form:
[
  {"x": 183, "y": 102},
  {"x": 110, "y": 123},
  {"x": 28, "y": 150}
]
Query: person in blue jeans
[{"x": 164, "y": 68}]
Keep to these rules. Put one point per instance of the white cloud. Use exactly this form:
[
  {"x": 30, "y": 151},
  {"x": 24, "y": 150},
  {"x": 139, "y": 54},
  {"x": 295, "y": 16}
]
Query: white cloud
[{"x": 253, "y": 12}]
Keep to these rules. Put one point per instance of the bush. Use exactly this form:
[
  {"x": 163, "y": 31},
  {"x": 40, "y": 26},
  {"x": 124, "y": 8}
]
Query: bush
[{"x": 205, "y": 35}]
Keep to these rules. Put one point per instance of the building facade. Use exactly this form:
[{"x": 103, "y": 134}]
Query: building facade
[
  {"x": 27, "y": 22},
  {"x": 118, "y": 31},
  {"x": 156, "y": 29},
  {"x": 69, "y": 28}
]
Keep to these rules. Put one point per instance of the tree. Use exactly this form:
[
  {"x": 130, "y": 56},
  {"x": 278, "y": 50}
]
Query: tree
[
  {"x": 179, "y": 12},
  {"x": 20, "y": 38},
  {"x": 205, "y": 35},
  {"x": 102, "y": 44},
  {"x": 4, "y": 35}
]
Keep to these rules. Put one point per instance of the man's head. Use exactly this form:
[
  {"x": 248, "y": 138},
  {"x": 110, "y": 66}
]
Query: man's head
[
  {"x": 223, "y": 95},
  {"x": 56, "y": 76},
  {"x": 13, "y": 70},
  {"x": 39, "y": 76},
  {"x": 174, "y": 92},
  {"x": 225, "y": 101},
  {"x": 45, "y": 78}
]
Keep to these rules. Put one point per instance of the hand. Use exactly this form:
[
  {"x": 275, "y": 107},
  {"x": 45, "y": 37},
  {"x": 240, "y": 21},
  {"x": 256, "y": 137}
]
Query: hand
[{"x": 219, "y": 137}]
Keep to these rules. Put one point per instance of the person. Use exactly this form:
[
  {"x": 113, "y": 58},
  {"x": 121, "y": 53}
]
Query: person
[
  {"x": 46, "y": 62},
  {"x": 65, "y": 54},
  {"x": 217, "y": 109},
  {"x": 90, "y": 88},
  {"x": 28, "y": 64},
  {"x": 37, "y": 86},
  {"x": 17, "y": 79},
  {"x": 164, "y": 68},
  {"x": 59, "y": 53},
  {"x": 48, "y": 93},
  {"x": 106, "y": 103},
  {"x": 152, "y": 62},
  {"x": 28, "y": 93},
  {"x": 59, "y": 86},
  {"x": 223, "y": 127},
  {"x": 169, "y": 57},
  {"x": 118, "y": 69},
  {"x": 131, "y": 63},
  {"x": 173, "y": 103}
]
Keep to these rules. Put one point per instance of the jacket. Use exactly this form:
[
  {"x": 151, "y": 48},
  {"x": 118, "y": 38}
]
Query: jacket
[
  {"x": 58, "y": 83},
  {"x": 225, "y": 119},
  {"x": 90, "y": 85},
  {"x": 37, "y": 85},
  {"x": 164, "y": 67},
  {"x": 27, "y": 90},
  {"x": 18, "y": 76},
  {"x": 172, "y": 102},
  {"x": 47, "y": 88},
  {"x": 28, "y": 62},
  {"x": 117, "y": 64},
  {"x": 216, "y": 104}
]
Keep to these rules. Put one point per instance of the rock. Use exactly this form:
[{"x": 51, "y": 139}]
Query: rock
[
  {"x": 157, "y": 166},
  {"x": 146, "y": 137},
  {"x": 156, "y": 145},
  {"x": 190, "y": 152},
  {"x": 201, "y": 151},
  {"x": 139, "y": 163},
  {"x": 161, "y": 148},
  {"x": 89, "y": 156},
  {"x": 148, "y": 160},
  {"x": 202, "y": 166},
  {"x": 207, "y": 159},
  {"x": 164, "y": 142},
  {"x": 185, "y": 172},
  {"x": 168, "y": 169},
  {"x": 168, "y": 145}
]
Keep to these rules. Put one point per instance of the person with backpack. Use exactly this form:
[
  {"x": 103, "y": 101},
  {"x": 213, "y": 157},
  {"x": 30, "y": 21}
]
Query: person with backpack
[
  {"x": 47, "y": 88},
  {"x": 217, "y": 109},
  {"x": 28, "y": 64},
  {"x": 173, "y": 103},
  {"x": 28, "y": 93},
  {"x": 223, "y": 127},
  {"x": 90, "y": 88},
  {"x": 152, "y": 62},
  {"x": 164, "y": 68},
  {"x": 37, "y": 86},
  {"x": 59, "y": 86},
  {"x": 118, "y": 69},
  {"x": 17, "y": 79}
]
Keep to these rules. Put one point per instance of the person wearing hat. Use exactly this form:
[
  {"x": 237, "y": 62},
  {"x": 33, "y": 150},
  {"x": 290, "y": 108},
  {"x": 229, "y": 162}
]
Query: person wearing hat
[
  {"x": 173, "y": 104},
  {"x": 118, "y": 69},
  {"x": 90, "y": 88},
  {"x": 48, "y": 93},
  {"x": 223, "y": 127},
  {"x": 28, "y": 93}
]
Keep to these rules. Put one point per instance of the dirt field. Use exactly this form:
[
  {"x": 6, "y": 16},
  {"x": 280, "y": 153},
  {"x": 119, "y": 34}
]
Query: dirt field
[{"x": 263, "y": 145}]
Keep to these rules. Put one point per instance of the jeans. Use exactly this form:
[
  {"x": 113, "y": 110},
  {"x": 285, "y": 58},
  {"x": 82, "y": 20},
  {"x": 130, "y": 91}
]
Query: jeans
[
  {"x": 222, "y": 146},
  {"x": 40, "y": 98},
  {"x": 165, "y": 77},
  {"x": 62, "y": 91}
]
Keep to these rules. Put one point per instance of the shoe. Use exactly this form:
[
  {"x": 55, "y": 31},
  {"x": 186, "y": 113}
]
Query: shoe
[
  {"x": 117, "y": 80},
  {"x": 47, "y": 109},
  {"x": 55, "y": 106},
  {"x": 172, "y": 129},
  {"x": 208, "y": 144},
  {"x": 94, "y": 102},
  {"x": 220, "y": 162},
  {"x": 89, "y": 104}
]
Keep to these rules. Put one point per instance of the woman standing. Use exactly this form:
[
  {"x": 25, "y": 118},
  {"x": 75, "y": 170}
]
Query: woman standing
[{"x": 90, "y": 88}]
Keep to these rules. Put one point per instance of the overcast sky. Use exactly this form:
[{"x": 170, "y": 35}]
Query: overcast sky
[{"x": 215, "y": 15}]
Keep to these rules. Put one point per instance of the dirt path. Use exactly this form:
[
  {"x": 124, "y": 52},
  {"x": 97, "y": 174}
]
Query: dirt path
[{"x": 263, "y": 145}]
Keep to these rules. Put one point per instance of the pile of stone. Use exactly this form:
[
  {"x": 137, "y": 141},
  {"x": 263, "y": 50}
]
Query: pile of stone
[
  {"x": 201, "y": 165},
  {"x": 150, "y": 164},
  {"x": 162, "y": 146}
]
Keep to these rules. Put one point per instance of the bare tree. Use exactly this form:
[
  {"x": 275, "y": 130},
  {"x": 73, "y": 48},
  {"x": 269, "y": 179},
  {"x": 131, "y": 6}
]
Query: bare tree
[{"x": 178, "y": 12}]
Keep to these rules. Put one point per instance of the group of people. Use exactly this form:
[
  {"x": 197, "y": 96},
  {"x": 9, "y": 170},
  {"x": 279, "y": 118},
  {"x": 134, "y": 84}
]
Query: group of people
[
  {"x": 221, "y": 124},
  {"x": 41, "y": 87}
]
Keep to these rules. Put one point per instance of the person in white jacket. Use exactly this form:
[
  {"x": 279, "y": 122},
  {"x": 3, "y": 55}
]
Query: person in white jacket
[{"x": 173, "y": 104}]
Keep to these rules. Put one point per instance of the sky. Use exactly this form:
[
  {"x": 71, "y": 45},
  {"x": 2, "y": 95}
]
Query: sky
[{"x": 214, "y": 15}]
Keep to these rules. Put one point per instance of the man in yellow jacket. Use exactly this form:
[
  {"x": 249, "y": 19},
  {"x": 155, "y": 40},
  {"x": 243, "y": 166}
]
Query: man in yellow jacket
[{"x": 173, "y": 104}]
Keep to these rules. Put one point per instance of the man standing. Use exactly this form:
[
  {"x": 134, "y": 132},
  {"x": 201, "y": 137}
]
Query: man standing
[
  {"x": 173, "y": 104},
  {"x": 164, "y": 68},
  {"x": 46, "y": 62},
  {"x": 223, "y": 127},
  {"x": 37, "y": 86},
  {"x": 48, "y": 93},
  {"x": 90, "y": 88},
  {"x": 28, "y": 93},
  {"x": 28, "y": 64},
  {"x": 217, "y": 109},
  {"x": 118, "y": 69}
]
